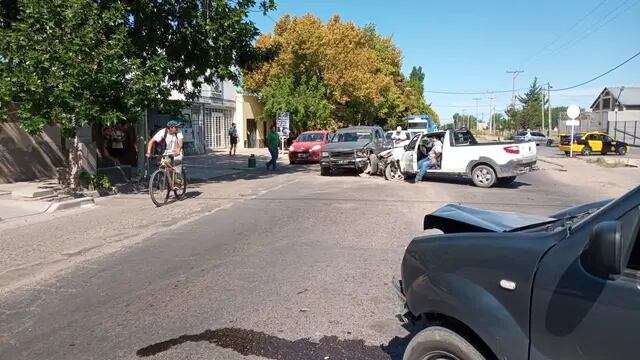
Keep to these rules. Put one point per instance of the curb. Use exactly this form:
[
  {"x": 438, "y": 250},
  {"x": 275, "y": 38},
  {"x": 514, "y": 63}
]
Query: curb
[
  {"x": 71, "y": 204},
  {"x": 550, "y": 162}
]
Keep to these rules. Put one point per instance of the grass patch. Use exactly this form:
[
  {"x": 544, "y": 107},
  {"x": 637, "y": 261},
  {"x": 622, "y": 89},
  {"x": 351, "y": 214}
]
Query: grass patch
[{"x": 607, "y": 164}]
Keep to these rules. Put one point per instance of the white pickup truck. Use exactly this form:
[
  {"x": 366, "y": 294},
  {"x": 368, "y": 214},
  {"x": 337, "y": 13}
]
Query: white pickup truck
[{"x": 486, "y": 164}]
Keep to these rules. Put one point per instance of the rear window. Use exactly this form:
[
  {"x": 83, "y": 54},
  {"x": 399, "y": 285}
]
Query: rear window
[{"x": 522, "y": 133}]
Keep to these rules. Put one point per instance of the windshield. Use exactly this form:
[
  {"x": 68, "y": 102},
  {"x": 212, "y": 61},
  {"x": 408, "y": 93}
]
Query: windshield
[
  {"x": 310, "y": 137},
  {"x": 351, "y": 136}
]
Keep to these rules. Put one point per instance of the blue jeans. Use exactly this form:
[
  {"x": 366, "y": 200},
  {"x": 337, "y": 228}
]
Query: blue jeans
[
  {"x": 423, "y": 166},
  {"x": 274, "y": 157}
]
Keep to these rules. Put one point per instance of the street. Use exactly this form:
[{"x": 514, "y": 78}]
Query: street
[{"x": 258, "y": 265}]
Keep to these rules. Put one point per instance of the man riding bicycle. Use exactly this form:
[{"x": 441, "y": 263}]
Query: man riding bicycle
[{"x": 172, "y": 137}]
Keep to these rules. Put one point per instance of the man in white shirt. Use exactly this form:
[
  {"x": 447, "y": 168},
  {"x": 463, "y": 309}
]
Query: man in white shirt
[
  {"x": 399, "y": 135},
  {"x": 172, "y": 137},
  {"x": 431, "y": 159}
]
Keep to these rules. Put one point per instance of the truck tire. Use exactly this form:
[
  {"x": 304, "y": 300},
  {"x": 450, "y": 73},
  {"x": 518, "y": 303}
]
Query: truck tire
[
  {"x": 483, "y": 176},
  {"x": 440, "y": 343},
  {"x": 392, "y": 172},
  {"x": 325, "y": 171},
  {"x": 374, "y": 164}
]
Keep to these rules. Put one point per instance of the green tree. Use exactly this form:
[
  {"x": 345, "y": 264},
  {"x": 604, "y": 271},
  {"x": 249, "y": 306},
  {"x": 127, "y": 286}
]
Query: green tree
[
  {"x": 416, "y": 79},
  {"x": 419, "y": 105},
  {"x": 85, "y": 62},
  {"x": 513, "y": 118},
  {"x": 531, "y": 113},
  {"x": 305, "y": 102}
]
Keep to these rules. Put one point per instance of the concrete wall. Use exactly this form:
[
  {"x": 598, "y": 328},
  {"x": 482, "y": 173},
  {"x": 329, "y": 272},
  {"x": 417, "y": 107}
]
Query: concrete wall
[
  {"x": 253, "y": 109},
  {"x": 24, "y": 157}
]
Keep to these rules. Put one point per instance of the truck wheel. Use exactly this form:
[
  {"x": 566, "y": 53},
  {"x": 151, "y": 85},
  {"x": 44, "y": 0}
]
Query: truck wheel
[
  {"x": 435, "y": 343},
  {"x": 586, "y": 151},
  {"x": 483, "y": 176},
  {"x": 325, "y": 171},
  {"x": 506, "y": 180},
  {"x": 393, "y": 173},
  {"x": 374, "y": 164}
]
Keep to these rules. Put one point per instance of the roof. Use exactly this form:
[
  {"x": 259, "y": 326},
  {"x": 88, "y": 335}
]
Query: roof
[
  {"x": 630, "y": 95},
  {"x": 351, "y": 128}
]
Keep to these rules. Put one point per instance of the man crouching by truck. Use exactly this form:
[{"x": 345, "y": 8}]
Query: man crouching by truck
[{"x": 429, "y": 159}]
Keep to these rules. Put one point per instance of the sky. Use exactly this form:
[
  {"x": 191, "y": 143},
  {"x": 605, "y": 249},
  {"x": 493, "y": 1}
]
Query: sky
[{"x": 467, "y": 46}]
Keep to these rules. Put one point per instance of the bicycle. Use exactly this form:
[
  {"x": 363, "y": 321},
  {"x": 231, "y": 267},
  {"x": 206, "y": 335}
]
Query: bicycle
[{"x": 165, "y": 180}]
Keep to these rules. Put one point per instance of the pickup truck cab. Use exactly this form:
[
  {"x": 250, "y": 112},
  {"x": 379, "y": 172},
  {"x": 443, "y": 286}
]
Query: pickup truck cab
[
  {"x": 486, "y": 164},
  {"x": 500, "y": 285}
]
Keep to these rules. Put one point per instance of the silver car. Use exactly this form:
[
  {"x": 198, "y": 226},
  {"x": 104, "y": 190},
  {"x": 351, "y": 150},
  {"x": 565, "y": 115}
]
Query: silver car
[{"x": 535, "y": 136}]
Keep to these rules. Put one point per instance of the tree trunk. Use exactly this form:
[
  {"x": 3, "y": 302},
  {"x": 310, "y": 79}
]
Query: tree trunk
[{"x": 75, "y": 155}]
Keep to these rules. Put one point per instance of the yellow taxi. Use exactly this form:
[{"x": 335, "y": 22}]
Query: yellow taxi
[{"x": 587, "y": 143}]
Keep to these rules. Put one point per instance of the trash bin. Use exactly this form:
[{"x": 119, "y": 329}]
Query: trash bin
[{"x": 252, "y": 161}]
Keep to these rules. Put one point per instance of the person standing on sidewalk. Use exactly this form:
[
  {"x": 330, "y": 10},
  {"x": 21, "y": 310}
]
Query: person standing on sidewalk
[
  {"x": 233, "y": 137},
  {"x": 273, "y": 142}
]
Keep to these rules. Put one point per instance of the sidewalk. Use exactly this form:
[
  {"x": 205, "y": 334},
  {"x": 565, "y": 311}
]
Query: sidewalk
[{"x": 218, "y": 163}]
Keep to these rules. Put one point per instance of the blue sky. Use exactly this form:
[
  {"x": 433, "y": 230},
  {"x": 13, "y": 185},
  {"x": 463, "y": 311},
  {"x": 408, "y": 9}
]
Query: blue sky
[{"x": 467, "y": 46}]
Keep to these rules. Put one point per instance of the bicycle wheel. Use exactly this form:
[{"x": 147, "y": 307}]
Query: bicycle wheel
[
  {"x": 159, "y": 188},
  {"x": 182, "y": 184}
]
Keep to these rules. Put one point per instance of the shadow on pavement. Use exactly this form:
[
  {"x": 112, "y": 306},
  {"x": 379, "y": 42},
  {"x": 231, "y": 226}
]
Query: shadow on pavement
[{"x": 250, "y": 342}]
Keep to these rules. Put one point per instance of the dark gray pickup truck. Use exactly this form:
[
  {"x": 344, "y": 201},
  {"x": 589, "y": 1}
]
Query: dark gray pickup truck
[
  {"x": 513, "y": 286},
  {"x": 353, "y": 147}
]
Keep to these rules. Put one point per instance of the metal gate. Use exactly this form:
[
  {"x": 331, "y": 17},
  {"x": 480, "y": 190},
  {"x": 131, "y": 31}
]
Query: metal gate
[{"x": 216, "y": 123}]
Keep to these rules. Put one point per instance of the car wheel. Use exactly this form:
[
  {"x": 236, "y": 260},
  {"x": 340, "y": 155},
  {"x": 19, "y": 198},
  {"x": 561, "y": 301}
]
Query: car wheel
[
  {"x": 567, "y": 153},
  {"x": 438, "y": 343},
  {"x": 393, "y": 173},
  {"x": 622, "y": 150},
  {"x": 325, "y": 171},
  {"x": 586, "y": 151},
  {"x": 506, "y": 180},
  {"x": 483, "y": 176}
]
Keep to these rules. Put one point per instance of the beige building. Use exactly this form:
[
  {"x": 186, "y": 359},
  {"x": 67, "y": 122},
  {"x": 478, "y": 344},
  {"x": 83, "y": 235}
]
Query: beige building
[
  {"x": 618, "y": 110},
  {"x": 252, "y": 127}
]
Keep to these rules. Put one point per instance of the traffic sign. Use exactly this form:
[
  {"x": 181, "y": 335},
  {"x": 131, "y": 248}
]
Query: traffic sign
[{"x": 573, "y": 123}]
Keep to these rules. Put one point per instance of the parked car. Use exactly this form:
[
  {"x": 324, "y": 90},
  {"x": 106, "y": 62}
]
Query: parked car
[
  {"x": 535, "y": 136},
  {"x": 308, "y": 146},
  {"x": 354, "y": 147},
  {"x": 500, "y": 285},
  {"x": 590, "y": 142},
  {"x": 462, "y": 155}
]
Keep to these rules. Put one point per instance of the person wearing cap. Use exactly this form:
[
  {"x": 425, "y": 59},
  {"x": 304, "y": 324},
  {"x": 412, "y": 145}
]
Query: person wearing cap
[
  {"x": 399, "y": 135},
  {"x": 173, "y": 138}
]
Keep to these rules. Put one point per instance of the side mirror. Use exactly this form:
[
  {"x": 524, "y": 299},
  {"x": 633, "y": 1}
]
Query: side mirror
[
  {"x": 406, "y": 147},
  {"x": 603, "y": 255}
]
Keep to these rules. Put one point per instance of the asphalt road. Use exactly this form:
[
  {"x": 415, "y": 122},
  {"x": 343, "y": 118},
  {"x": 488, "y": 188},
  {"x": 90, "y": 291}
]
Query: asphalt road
[{"x": 301, "y": 270}]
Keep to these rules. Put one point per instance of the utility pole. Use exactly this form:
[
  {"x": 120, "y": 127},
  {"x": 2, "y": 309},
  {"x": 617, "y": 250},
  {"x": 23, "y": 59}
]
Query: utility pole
[
  {"x": 513, "y": 91},
  {"x": 477, "y": 99},
  {"x": 542, "y": 112},
  {"x": 492, "y": 125},
  {"x": 549, "y": 106}
]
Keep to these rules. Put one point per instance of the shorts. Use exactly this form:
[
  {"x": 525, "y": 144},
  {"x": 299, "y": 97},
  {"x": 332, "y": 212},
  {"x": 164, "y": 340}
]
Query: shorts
[{"x": 234, "y": 141}]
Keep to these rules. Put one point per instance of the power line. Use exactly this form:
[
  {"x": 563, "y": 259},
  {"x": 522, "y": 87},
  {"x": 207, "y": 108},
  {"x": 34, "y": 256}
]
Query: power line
[
  {"x": 489, "y": 92},
  {"x": 599, "y": 76},
  {"x": 541, "y": 51}
]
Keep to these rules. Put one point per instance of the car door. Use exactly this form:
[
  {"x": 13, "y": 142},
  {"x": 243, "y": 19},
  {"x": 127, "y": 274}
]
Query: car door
[
  {"x": 595, "y": 142},
  {"x": 539, "y": 138},
  {"x": 607, "y": 144},
  {"x": 409, "y": 162},
  {"x": 579, "y": 315}
]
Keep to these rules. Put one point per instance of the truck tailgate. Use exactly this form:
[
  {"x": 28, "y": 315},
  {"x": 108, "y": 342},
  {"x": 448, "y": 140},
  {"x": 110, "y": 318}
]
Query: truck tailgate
[{"x": 527, "y": 150}]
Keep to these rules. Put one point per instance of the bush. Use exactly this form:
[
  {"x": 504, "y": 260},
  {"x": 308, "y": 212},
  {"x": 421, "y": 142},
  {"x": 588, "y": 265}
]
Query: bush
[{"x": 94, "y": 182}]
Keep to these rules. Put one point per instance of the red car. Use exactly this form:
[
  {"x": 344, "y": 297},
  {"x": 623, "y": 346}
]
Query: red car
[{"x": 307, "y": 147}]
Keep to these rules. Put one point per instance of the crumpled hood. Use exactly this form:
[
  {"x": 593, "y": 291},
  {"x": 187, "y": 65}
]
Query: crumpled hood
[
  {"x": 457, "y": 218},
  {"x": 345, "y": 146}
]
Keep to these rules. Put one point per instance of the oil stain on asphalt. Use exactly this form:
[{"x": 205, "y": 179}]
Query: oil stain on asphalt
[{"x": 250, "y": 342}]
